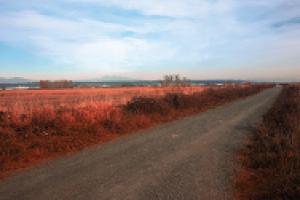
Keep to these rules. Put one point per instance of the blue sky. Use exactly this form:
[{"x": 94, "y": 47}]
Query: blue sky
[{"x": 200, "y": 39}]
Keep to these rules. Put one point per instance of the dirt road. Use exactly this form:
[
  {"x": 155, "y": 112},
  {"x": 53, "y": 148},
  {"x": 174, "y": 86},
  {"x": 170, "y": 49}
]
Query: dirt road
[{"x": 192, "y": 158}]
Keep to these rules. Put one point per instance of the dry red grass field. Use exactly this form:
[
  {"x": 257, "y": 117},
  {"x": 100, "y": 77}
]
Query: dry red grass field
[
  {"x": 48, "y": 123},
  {"x": 26, "y": 100},
  {"x": 271, "y": 159}
]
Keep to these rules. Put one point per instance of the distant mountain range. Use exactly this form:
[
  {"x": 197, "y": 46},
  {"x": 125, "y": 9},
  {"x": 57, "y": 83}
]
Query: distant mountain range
[
  {"x": 15, "y": 80},
  {"x": 109, "y": 79},
  {"x": 106, "y": 79}
]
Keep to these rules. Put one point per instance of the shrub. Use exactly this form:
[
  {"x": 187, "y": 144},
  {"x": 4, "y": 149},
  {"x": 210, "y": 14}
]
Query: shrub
[
  {"x": 145, "y": 105},
  {"x": 176, "y": 100},
  {"x": 271, "y": 160}
]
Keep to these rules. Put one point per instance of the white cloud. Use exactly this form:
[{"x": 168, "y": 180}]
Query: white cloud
[
  {"x": 84, "y": 43},
  {"x": 106, "y": 55},
  {"x": 172, "y": 8},
  {"x": 31, "y": 22},
  {"x": 196, "y": 33}
]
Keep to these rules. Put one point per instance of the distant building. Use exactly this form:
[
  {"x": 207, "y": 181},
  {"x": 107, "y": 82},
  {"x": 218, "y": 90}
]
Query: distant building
[{"x": 46, "y": 84}]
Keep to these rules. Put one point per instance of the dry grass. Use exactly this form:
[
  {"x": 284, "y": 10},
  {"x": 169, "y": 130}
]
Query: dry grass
[
  {"x": 26, "y": 100},
  {"x": 43, "y": 132},
  {"x": 271, "y": 159}
]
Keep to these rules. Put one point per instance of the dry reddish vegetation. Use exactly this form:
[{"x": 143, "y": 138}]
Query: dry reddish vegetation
[
  {"x": 26, "y": 100},
  {"x": 47, "y": 131},
  {"x": 271, "y": 159}
]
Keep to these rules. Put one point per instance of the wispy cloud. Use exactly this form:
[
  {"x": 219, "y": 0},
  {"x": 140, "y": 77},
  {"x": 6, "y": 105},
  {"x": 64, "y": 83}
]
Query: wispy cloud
[{"x": 117, "y": 36}]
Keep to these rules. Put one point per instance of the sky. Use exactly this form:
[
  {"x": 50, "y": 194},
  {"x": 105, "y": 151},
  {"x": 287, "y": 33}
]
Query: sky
[{"x": 145, "y": 39}]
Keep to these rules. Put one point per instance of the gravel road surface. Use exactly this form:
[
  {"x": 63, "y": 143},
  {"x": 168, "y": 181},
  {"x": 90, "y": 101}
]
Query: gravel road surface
[{"x": 191, "y": 158}]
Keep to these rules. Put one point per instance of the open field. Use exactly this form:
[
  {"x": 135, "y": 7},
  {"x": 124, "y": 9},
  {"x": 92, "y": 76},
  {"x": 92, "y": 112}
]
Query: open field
[
  {"x": 271, "y": 159},
  {"x": 42, "y": 132},
  {"x": 25, "y": 100},
  {"x": 190, "y": 158}
]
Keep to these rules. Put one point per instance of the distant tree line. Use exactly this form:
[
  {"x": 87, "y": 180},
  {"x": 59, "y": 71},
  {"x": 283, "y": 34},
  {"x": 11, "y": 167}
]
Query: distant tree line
[
  {"x": 175, "y": 80},
  {"x": 46, "y": 84}
]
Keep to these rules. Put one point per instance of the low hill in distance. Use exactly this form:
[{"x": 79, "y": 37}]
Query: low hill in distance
[{"x": 14, "y": 80}]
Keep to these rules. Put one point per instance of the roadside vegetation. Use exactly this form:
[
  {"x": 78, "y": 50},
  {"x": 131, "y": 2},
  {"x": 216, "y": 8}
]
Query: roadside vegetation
[
  {"x": 25, "y": 100},
  {"x": 271, "y": 159},
  {"x": 44, "y": 132}
]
